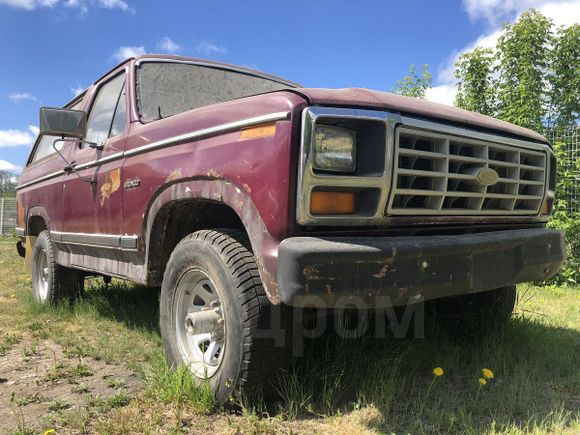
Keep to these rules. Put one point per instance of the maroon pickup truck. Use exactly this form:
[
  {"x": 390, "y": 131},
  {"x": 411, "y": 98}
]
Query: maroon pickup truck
[{"x": 245, "y": 195}]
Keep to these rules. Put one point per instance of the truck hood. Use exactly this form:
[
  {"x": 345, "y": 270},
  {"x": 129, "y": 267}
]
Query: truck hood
[{"x": 366, "y": 98}]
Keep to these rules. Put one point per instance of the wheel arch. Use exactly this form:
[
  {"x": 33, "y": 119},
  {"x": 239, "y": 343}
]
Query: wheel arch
[
  {"x": 36, "y": 221},
  {"x": 186, "y": 206}
]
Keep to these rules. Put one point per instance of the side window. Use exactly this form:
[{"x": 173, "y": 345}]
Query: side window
[
  {"x": 120, "y": 115},
  {"x": 99, "y": 125},
  {"x": 44, "y": 147}
]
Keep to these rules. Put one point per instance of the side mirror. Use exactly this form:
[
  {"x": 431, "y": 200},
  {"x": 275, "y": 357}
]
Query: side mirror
[{"x": 63, "y": 122}]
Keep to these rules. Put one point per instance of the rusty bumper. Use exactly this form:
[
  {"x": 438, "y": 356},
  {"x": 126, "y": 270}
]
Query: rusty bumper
[{"x": 370, "y": 272}]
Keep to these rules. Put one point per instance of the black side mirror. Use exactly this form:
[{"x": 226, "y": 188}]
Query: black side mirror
[{"x": 63, "y": 122}]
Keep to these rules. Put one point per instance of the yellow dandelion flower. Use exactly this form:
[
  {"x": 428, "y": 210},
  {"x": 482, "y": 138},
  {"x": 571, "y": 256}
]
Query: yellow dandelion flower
[
  {"x": 49, "y": 432},
  {"x": 438, "y": 371},
  {"x": 487, "y": 373},
  {"x": 482, "y": 381}
]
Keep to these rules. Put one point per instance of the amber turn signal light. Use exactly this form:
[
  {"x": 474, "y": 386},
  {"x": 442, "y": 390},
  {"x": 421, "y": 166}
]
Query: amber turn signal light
[
  {"x": 257, "y": 131},
  {"x": 331, "y": 202}
]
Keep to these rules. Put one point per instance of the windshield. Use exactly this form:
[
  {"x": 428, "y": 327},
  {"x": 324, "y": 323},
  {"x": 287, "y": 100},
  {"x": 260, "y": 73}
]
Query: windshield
[{"x": 165, "y": 88}]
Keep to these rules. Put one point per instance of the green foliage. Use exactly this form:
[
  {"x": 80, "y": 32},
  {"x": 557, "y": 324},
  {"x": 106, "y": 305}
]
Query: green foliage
[
  {"x": 531, "y": 78},
  {"x": 523, "y": 58},
  {"x": 177, "y": 387},
  {"x": 475, "y": 86},
  {"x": 564, "y": 78},
  {"x": 7, "y": 184},
  {"x": 563, "y": 219},
  {"x": 414, "y": 85}
]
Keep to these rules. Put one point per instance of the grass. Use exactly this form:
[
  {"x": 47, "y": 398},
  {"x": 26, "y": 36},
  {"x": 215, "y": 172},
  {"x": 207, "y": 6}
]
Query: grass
[{"x": 365, "y": 385}]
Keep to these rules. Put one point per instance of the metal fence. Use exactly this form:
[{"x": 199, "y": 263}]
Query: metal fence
[
  {"x": 7, "y": 216},
  {"x": 571, "y": 137}
]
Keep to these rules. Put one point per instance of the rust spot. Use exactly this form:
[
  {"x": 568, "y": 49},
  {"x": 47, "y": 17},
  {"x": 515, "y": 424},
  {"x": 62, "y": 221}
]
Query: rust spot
[
  {"x": 383, "y": 271},
  {"x": 174, "y": 175},
  {"x": 311, "y": 273},
  {"x": 212, "y": 173},
  {"x": 110, "y": 185}
]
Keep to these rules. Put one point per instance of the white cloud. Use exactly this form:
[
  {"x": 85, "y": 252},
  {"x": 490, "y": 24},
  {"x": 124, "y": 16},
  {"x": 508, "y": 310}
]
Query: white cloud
[
  {"x": 10, "y": 167},
  {"x": 208, "y": 48},
  {"x": 29, "y": 5},
  {"x": 77, "y": 90},
  {"x": 125, "y": 52},
  {"x": 17, "y": 97},
  {"x": 167, "y": 45},
  {"x": 494, "y": 12},
  {"x": 444, "y": 94},
  {"x": 82, "y": 5},
  {"x": 17, "y": 138}
]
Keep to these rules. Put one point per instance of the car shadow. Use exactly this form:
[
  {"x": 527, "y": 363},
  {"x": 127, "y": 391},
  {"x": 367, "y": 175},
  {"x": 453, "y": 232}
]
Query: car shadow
[
  {"x": 535, "y": 384},
  {"x": 135, "y": 306}
]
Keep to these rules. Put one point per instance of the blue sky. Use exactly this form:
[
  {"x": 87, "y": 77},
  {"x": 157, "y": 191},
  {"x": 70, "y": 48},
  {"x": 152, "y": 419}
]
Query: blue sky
[{"x": 53, "y": 48}]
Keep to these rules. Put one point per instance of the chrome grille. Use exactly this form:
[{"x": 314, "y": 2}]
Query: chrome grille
[{"x": 436, "y": 174}]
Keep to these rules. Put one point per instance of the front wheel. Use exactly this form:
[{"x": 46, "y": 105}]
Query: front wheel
[{"x": 215, "y": 317}]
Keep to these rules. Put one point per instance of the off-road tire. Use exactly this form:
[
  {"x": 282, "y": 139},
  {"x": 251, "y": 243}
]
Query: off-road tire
[
  {"x": 60, "y": 282},
  {"x": 252, "y": 358},
  {"x": 476, "y": 312}
]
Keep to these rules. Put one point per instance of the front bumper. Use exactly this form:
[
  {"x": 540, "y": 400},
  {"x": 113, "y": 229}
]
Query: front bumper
[{"x": 368, "y": 272}]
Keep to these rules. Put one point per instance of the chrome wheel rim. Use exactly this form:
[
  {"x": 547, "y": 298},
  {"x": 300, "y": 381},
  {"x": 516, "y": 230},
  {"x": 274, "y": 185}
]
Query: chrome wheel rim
[
  {"x": 196, "y": 298},
  {"x": 42, "y": 276}
]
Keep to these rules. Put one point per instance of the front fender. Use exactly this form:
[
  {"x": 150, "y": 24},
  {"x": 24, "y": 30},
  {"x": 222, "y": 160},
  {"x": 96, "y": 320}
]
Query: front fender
[{"x": 264, "y": 245}]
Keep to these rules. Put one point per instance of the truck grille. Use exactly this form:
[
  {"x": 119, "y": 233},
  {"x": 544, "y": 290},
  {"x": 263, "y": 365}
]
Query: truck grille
[{"x": 437, "y": 174}]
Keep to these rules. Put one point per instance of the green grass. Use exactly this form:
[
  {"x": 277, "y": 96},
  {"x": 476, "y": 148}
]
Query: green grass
[{"x": 340, "y": 386}]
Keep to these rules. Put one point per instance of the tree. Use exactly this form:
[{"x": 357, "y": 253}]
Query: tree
[
  {"x": 564, "y": 78},
  {"x": 523, "y": 59},
  {"x": 7, "y": 184},
  {"x": 532, "y": 78},
  {"x": 414, "y": 85},
  {"x": 475, "y": 85}
]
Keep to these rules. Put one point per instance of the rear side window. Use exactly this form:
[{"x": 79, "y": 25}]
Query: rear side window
[
  {"x": 44, "y": 147},
  {"x": 165, "y": 89},
  {"x": 100, "y": 122}
]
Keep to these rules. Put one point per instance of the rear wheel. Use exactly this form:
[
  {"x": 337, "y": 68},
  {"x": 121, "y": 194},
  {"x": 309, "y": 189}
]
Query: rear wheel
[
  {"x": 215, "y": 316},
  {"x": 478, "y": 311},
  {"x": 52, "y": 282}
]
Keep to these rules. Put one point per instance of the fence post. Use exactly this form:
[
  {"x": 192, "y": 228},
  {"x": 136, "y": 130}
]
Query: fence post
[{"x": 1, "y": 216}]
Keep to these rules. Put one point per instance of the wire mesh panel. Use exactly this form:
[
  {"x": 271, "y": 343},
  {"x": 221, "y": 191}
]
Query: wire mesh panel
[
  {"x": 570, "y": 137},
  {"x": 7, "y": 216}
]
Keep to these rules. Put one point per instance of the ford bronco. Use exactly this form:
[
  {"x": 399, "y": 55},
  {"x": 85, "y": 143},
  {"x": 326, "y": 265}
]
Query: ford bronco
[{"x": 244, "y": 195}]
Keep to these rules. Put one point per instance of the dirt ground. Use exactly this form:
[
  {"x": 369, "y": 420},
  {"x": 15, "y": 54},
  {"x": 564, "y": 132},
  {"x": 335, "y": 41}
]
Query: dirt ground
[{"x": 38, "y": 381}]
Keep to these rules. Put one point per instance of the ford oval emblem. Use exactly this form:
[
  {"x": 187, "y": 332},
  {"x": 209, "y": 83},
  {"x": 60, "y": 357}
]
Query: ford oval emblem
[{"x": 486, "y": 176}]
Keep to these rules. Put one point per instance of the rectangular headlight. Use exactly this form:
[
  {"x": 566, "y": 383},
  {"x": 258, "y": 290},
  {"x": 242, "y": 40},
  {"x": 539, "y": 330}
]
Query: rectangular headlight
[{"x": 334, "y": 149}]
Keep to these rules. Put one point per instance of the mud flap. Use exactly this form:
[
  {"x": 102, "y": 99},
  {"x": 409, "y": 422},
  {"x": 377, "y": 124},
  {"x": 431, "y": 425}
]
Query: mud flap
[{"x": 30, "y": 241}]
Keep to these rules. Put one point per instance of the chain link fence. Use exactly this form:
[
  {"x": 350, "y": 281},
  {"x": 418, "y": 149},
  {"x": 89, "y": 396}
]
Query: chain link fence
[
  {"x": 7, "y": 216},
  {"x": 570, "y": 137}
]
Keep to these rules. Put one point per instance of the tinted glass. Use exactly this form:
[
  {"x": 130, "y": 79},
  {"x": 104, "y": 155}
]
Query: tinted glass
[
  {"x": 103, "y": 110},
  {"x": 44, "y": 147},
  {"x": 165, "y": 88}
]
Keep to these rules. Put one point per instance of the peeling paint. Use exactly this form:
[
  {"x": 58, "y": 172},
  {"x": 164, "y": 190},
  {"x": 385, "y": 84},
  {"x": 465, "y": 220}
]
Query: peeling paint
[
  {"x": 383, "y": 271},
  {"x": 110, "y": 185},
  {"x": 174, "y": 175},
  {"x": 212, "y": 173},
  {"x": 311, "y": 273}
]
